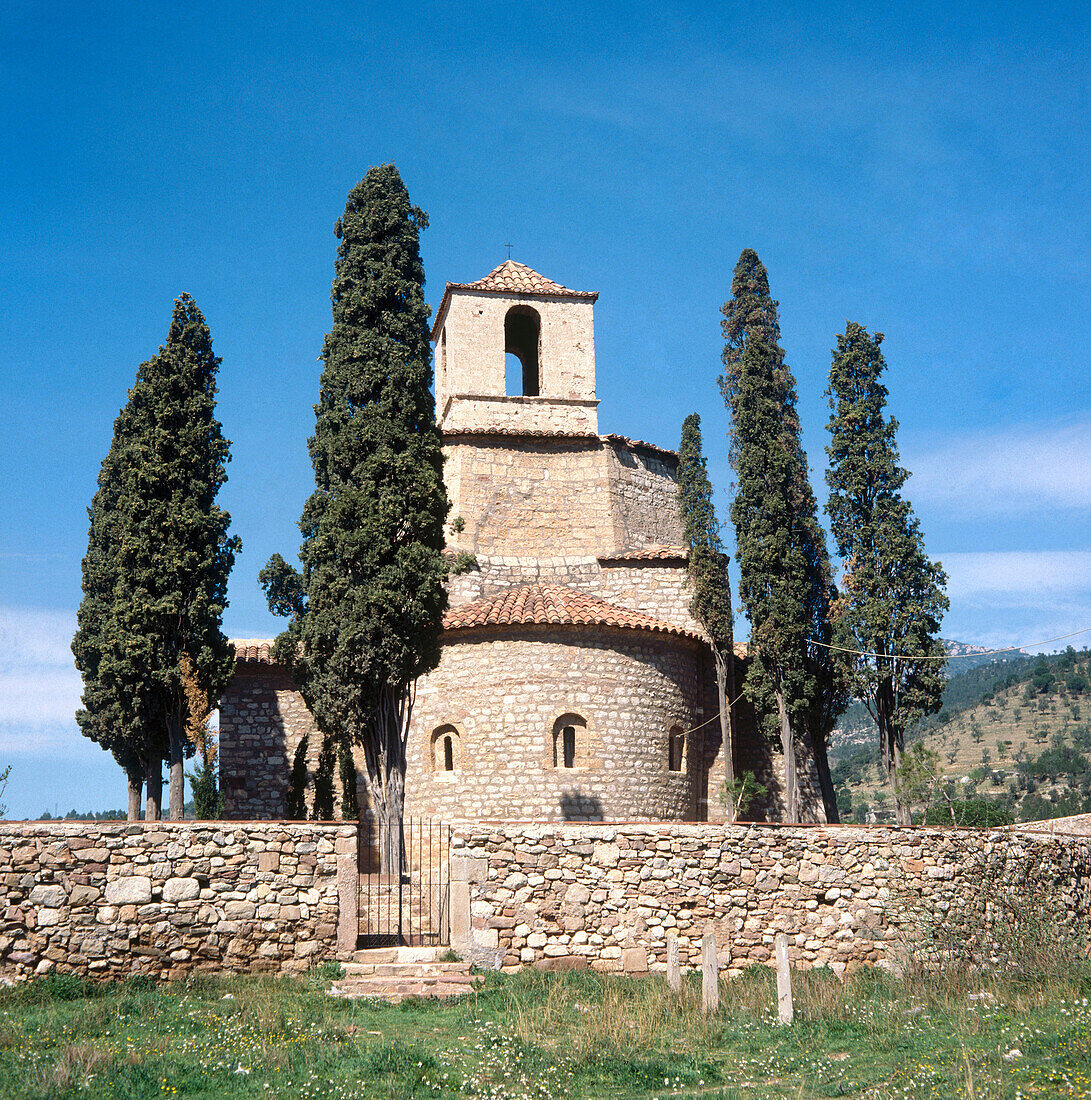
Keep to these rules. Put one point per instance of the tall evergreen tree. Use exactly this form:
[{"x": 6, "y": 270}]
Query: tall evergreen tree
[
  {"x": 107, "y": 716},
  {"x": 155, "y": 578},
  {"x": 366, "y": 610},
  {"x": 708, "y": 577},
  {"x": 785, "y": 586},
  {"x": 893, "y": 595}
]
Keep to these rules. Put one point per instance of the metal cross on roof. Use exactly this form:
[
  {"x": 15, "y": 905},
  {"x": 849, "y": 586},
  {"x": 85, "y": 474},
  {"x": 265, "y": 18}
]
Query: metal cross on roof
[{"x": 508, "y": 247}]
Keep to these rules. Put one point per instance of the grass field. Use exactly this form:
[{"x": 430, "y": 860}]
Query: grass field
[{"x": 542, "y": 1036}]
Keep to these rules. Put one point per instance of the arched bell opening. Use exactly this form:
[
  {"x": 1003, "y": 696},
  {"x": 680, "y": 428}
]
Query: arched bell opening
[{"x": 522, "y": 339}]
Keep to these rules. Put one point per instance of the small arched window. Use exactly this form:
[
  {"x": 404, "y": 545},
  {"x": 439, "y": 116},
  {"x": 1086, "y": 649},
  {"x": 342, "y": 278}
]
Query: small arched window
[
  {"x": 446, "y": 749},
  {"x": 569, "y": 741},
  {"x": 522, "y": 338},
  {"x": 676, "y": 748}
]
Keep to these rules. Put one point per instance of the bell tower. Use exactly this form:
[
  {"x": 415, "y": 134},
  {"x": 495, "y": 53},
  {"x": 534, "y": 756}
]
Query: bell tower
[{"x": 547, "y": 327}]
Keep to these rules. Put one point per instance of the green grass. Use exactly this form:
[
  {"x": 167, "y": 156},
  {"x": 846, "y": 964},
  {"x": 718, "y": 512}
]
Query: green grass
[{"x": 542, "y": 1036}]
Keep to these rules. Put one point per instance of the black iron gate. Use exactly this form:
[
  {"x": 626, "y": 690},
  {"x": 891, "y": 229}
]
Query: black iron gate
[{"x": 410, "y": 906}]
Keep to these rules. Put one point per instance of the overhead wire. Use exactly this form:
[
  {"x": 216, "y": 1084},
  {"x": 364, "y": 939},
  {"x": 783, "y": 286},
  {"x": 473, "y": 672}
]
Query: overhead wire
[
  {"x": 716, "y": 716},
  {"x": 949, "y": 656},
  {"x": 903, "y": 657}
]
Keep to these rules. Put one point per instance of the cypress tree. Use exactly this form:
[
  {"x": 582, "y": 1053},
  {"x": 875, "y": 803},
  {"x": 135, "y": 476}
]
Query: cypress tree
[
  {"x": 708, "y": 577},
  {"x": 159, "y": 556},
  {"x": 795, "y": 684},
  {"x": 350, "y": 805},
  {"x": 749, "y": 314},
  {"x": 323, "y": 781},
  {"x": 107, "y": 716},
  {"x": 893, "y": 597},
  {"x": 366, "y": 609}
]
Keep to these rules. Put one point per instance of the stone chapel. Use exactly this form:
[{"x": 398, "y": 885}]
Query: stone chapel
[{"x": 574, "y": 683}]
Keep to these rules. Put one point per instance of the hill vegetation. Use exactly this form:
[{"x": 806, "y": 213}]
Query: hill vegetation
[{"x": 1014, "y": 734}]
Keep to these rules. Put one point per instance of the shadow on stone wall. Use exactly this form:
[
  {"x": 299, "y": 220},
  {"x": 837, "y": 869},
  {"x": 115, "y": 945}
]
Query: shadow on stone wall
[
  {"x": 577, "y": 806},
  {"x": 261, "y": 723}
]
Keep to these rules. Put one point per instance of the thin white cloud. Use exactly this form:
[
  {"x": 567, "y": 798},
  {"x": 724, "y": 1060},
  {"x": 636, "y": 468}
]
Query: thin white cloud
[
  {"x": 1036, "y": 468},
  {"x": 1027, "y": 575},
  {"x": 1032, "y": 599},
  {"x": 39, "y": 684}
]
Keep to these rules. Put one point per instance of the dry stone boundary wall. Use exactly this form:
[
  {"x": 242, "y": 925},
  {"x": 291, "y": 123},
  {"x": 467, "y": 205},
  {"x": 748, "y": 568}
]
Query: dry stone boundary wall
[
  {"x": 606, "y": 897},
  {"x": 166, "y": 899}
]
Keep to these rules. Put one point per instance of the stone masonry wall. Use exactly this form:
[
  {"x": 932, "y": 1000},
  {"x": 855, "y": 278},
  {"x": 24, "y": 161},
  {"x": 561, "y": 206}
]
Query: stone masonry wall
[
  {"x": 470, "y": 355},
  {"x": 262, "y": 720},
  {"x": 531, "y": 497},
  {"x": 605, "y": 897},
  {"x": 503, "y": 694},
  {"x": 657, "y": 588},
  {"x": 537, "y": 414},
  {"x": 559, "y": 498},
  {"x": 644, "y": 492},
  {"x": 170, "y": 898},
  {"x": 489, "y": 576}
]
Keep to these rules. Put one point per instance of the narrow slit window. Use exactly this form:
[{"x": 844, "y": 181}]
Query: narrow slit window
[
  {"x": 569, "y": 741},
  {"x": 676, "y": 749},
  {"x": 446, "y": 750},
  {"x": 569, "y": 735}
]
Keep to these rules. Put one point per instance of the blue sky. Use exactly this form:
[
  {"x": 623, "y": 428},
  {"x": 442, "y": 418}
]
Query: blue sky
[{"x": 921, "y": 169}]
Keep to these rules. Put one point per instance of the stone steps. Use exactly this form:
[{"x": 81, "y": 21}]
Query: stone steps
[
  {"x": 370, "y": 969},
  {"x": 393, "y": 973}
]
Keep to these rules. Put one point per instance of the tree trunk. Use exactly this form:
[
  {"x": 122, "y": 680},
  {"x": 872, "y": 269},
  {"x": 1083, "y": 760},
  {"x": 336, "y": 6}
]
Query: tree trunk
[
  {"x": 155, "y": 791},
  {"x": 177, "y": 777},
  {"x": 825, "y": 780},
  {"x": 389, "y": 807},
  {"x": 727, "y": 736},
  {"x": 903, "y": 812},
  {"x": 787, "y": 744},
  {"x": 385, "y": 759},
  {"x": 136, "y": 786},
  {"x": 890, "y": 741}
]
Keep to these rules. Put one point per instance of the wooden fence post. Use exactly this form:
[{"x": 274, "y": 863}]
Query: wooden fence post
[
  {"x": 710, "y": 974},
  {"x": 785, "y": 1009}
]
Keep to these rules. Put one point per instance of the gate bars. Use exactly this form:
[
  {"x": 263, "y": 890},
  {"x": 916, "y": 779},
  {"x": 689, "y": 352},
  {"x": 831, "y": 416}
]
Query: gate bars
[{"x": 413, "y": 907}]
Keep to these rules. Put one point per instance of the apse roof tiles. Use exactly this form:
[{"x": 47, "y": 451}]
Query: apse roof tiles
[{"x": 555, "y": 605}]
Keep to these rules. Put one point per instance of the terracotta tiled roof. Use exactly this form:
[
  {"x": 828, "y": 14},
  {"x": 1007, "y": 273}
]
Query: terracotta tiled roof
[
  {"x": 623, "y": 440},
  {"x": 556, "y": 605},
  {"x": 539, "y": 433},
  {"x": 254, "y": 651},
  {"x": 627, "y": 442},
  {"x": 649, "y": 553},
  {"x": 515, "y": 278}
]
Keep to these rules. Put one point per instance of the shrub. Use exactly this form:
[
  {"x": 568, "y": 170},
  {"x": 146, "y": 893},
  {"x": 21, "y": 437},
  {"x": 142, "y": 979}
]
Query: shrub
[{"x": 977, "y": 812}]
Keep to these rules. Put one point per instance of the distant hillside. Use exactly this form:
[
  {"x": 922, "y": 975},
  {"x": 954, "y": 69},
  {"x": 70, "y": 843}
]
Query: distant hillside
[
  {"x": 967, "y": 683},
  {"x": 966, "y": 657},
  {"x": 1015, "y": 731}
]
